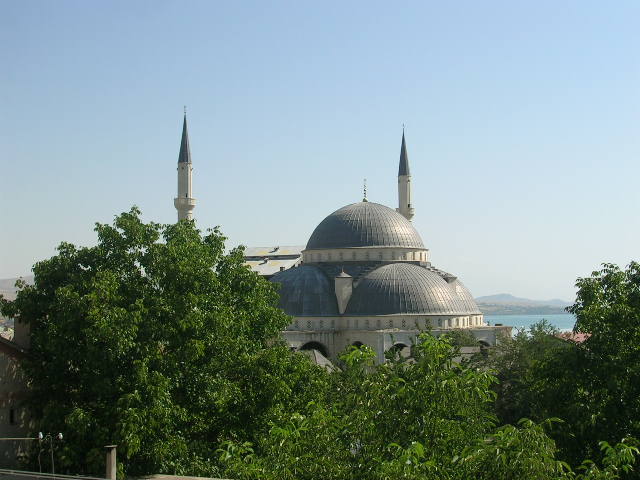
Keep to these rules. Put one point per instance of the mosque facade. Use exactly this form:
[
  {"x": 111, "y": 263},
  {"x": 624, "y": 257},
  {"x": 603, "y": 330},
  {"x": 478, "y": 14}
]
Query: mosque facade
[{"x": 364, "y": 277}]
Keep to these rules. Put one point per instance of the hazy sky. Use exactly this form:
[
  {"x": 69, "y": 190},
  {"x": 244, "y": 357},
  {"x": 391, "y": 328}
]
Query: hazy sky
[{"x": 523, "y": 125}]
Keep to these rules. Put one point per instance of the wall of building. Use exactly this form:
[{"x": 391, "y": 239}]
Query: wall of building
[
  {"x": 334, "y": 342},
  {"x": 381, "y": 333},
  {"x": 364, "y": 254},
  {"x": 398, "y": 322},
  {"x": 14, "y": 417}
]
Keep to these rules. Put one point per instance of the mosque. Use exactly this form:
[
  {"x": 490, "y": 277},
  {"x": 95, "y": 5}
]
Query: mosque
[{"x": 364, "y": 277}]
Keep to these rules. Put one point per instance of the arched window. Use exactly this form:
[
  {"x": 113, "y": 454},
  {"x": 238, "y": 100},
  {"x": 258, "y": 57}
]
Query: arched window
[
  {"x": 315, "y": 346},
  {"x": 401, "y": 349}
]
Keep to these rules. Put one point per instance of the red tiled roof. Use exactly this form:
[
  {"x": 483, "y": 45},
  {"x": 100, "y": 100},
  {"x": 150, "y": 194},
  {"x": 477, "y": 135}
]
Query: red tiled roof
[{"x": 576, "y": 337}]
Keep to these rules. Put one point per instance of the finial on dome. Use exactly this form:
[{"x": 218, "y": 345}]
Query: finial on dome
[
  {"x": 364, "y": 199},
  {"x": 343, "y": 274}
]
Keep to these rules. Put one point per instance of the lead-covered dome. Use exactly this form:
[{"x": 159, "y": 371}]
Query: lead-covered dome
[
  {"x": 305, "y": 291},
  {"x": 408, "y": 288},
  {"x": 364, "y": 224}
]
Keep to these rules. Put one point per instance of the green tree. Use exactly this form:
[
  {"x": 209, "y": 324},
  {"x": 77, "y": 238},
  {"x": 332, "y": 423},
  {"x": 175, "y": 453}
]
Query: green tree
[
  {"x": 157, "y": 341},
  {"x": 406, "y": 418},
  {"x": 521, "y": 365},
  {"x": 607, "y": 308},
  {"x": 422, "y": 418},
  {"x": 461, "y": 337},
  {"x": 594, "y": 386}
]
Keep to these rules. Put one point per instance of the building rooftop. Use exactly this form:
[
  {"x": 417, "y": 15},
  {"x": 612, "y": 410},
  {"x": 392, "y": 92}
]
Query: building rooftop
[
  {"x": 306, "y": 291},
  {"x": 399, "y": 288},
  {"x": 275, "y": 251},
  {"x": 364, "y": 224},
  {"x": 269, "y": 266},
  {"x": 403, "y": 167}
]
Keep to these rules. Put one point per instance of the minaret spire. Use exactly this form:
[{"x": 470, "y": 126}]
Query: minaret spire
[
  {"x": 184, "y": 202},
  {"x": 185, "y": 152},
  {"x": 403, "y": 168},
  {"x": 404, "y": 182}
]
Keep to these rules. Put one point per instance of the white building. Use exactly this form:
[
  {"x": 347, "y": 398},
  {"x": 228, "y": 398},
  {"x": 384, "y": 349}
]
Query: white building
[{"x": 364, "y": 277}]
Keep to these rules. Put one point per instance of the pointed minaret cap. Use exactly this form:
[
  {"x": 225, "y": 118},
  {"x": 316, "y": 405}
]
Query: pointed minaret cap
[
  {"x": 185, "y": 152},
  {"x": 403, "y": 168}
]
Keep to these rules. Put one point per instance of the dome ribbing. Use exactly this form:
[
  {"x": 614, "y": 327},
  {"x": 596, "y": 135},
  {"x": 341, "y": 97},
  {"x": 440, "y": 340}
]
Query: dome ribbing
[
  {"x": 305, "y": 291},
  {"x": 400, "y": 288},
  {"x": 364, "y": 224}
]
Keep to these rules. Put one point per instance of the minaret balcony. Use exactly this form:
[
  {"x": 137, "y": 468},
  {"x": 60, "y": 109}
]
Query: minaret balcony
[{"x": 184, "y": 202}]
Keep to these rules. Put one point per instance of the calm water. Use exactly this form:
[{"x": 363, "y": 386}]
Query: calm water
[{"x": 562, "y": 321}]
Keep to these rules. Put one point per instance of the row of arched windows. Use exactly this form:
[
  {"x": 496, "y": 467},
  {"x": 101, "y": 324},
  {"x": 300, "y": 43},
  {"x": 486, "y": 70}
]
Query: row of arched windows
[
  {"x": 399, "y": 348},
  {"x": 378, "y": 323},
  {"x": 380, "y": 255}
]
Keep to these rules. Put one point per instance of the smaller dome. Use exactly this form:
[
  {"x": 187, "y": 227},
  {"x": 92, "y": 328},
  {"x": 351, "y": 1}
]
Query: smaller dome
[
  {"x": 399, "y": 288},
  {"x": 306, "y": 291},
  {"x": 364, "y": 224}
]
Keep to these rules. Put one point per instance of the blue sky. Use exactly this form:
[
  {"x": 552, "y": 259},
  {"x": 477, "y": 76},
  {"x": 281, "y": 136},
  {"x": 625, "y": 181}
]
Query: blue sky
[{"x": 522, "y": 122}]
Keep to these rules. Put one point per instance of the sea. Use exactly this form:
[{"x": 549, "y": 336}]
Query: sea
[{"x": 562, "y": 321}]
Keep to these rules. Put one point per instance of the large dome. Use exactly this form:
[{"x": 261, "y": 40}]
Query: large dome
[
  {"x": 408, "y": 288},
  {"x": 304, "y": 291},
  {"x": 364, "y": 224}
]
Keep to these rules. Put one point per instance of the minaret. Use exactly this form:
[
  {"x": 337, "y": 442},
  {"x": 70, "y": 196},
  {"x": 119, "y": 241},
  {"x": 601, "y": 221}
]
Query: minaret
[
  {"x": 184, "y": 202},
  {"x": 404, "y": 183}
]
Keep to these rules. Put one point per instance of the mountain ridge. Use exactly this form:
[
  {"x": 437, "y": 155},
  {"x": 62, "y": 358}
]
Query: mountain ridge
[
  {"x": 507, "y": 298},
  {"x": 507, "y": 304}
]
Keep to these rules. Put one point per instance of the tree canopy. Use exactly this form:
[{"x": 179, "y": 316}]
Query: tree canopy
[
  {"x": 593, "y": 385},
  {"x": 157, "y": 340}
]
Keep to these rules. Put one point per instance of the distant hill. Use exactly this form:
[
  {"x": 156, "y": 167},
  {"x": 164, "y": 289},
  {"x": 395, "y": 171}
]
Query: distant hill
[
  {"x": 507, "y": 304},
  {"x": 7, "y": 286},
  {"x": 511, "y": 300},
  {"x": 8, "y": 291}
]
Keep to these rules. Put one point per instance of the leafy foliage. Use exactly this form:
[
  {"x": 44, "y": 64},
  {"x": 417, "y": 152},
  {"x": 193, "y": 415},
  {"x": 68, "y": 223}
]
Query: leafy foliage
[
  {"x": 461, "y": 337},
  {"x": 594, "y": 386},
  {"x": 521, "y": 365},
  {"x": 157, "y": 341},
  {"x": 421, "y": 418},
  {"x": 608, "y": 309}
]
